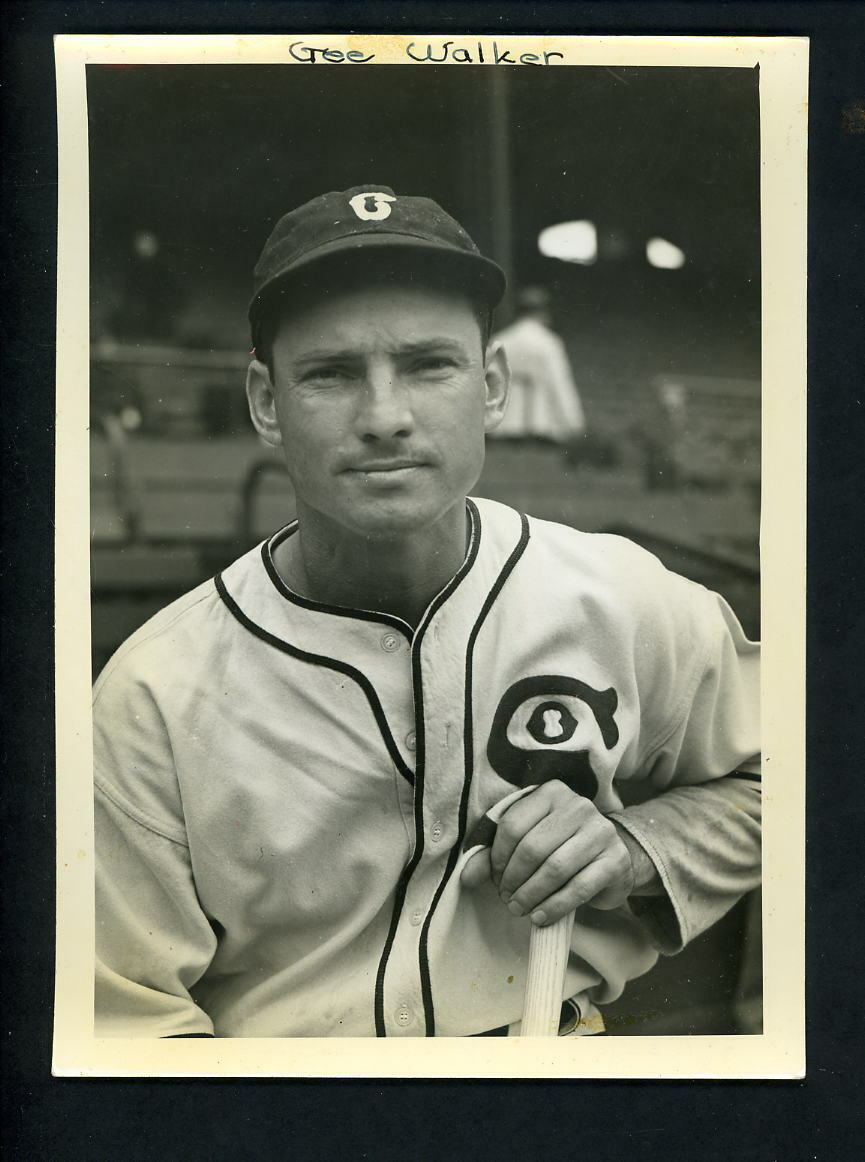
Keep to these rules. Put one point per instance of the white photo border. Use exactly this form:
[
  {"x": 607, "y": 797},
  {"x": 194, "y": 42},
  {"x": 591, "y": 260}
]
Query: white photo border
[{"x": 779, "y": 1052}]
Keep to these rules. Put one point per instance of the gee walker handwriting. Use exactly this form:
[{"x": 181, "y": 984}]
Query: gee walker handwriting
[{"x": 428, "y": 53}]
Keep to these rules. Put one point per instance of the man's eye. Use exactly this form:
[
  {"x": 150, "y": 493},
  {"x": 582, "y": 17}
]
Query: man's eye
[
  {"x": 323, "y": 374},
  {"x": 435, "y": 363}
]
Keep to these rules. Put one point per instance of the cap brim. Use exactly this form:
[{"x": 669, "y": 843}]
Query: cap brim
[{"x": 478, "y": 271}]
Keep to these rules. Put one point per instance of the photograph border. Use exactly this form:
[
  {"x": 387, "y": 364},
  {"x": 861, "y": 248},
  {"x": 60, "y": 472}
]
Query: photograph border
[{"x": 776, "y": 1053}]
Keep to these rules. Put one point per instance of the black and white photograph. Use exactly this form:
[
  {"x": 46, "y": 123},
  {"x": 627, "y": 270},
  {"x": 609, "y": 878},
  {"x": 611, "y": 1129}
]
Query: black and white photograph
[{"x": 432, "y": 462}]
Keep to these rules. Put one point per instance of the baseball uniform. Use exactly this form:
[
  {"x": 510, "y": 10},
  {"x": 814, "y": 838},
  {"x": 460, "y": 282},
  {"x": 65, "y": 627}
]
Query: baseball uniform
[
  {"x": 285, "y": 790},
  {"x": 544, "y": 400}
]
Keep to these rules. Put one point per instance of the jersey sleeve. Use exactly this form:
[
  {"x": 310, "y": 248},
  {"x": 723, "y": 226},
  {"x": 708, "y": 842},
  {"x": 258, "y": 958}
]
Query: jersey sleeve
[
  {"x": 716, "y": 723},
  {"x": 153, "y": 939},
  {"x": 700, "y": 824}
]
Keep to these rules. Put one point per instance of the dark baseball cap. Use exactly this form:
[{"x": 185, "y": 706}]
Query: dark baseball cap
[{"x": 366, "y": 219}]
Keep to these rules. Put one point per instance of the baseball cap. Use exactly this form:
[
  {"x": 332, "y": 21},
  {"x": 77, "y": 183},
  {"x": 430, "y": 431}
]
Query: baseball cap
[{"x": 361, "y": 220}]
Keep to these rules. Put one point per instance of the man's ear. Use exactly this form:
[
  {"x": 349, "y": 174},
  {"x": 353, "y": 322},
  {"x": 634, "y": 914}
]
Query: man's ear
[
  {"x": 497, "y": 375},
  {"x": 262, "y": 403}
]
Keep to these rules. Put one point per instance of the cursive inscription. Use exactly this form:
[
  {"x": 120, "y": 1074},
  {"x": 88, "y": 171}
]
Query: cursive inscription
[{"x": 427, "y": 53}]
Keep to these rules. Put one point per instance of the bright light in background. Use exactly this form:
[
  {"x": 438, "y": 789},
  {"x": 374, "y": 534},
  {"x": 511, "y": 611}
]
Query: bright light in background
[
  {"x": 664, "y": 254},
  {"x": 570, "y": 242}
]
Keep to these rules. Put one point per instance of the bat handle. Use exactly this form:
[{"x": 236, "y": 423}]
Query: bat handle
[{"x": 548, "y": 959}]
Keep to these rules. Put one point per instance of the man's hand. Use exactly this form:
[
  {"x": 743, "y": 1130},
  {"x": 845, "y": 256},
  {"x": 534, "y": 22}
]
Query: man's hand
[{"x": 553, "y": 852}]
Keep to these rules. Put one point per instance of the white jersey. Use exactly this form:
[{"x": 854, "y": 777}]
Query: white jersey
[
  {"x": 544, "y": 400},
  {"x": 285, "y": 790}
]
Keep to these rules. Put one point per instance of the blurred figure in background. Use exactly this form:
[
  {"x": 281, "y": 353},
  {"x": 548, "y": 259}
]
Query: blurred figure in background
[
  {"x": 544, "y": 403},
  {"x": 661, "y": 433},
  {"x": 116, "y": 413}
]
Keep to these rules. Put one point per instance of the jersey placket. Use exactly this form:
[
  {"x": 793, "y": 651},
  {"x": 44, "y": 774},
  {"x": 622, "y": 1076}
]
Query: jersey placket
[
  {"x": 403, "y": 1005},
  {"x": 439, "y": 682},
  {"x": 405, "y": 995}
]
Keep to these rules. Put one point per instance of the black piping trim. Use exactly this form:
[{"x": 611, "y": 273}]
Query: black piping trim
[
  {"x": 752, "y": 778},
  {"x": 319, "y": 606},
  {"x": 328, "y": 664},
  {"x": 468, "y": 753},
  {"x": 399, "y": 900},
  {"x": 417, "y": 685}
]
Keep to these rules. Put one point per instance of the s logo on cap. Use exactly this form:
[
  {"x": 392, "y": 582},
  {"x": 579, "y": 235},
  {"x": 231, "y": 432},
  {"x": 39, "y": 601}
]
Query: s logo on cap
[{"x": 372, "y": 207}]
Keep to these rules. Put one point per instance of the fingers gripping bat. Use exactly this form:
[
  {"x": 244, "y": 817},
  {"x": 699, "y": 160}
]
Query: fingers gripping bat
[{"x": 548, "y": 946}]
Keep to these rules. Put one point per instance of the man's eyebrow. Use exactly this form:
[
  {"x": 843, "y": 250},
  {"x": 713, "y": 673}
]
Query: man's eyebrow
[
  {"x": 410, "y": 347},
  {"x": 436, "y": 342},
  {"x": 325, "y": 355}
]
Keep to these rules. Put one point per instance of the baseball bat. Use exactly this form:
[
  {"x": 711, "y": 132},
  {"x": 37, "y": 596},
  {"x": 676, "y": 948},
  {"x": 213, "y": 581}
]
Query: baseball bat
[
  {"x": 548, "y": 959},
  {"x": 549, "y": 947}
]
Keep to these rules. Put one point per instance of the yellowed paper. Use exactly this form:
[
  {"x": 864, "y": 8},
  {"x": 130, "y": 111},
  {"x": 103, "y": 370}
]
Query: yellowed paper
[{"x": 779, "y": 1050}]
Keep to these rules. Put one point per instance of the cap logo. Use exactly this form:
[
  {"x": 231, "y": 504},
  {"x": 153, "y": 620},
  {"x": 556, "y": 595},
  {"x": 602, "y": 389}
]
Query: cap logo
[{"x": 372, "y": 207}]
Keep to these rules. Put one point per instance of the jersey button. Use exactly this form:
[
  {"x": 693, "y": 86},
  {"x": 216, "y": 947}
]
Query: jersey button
[
  {"x": 411, "y": 740},
  {"x": 403, "y": 1016},
  {"x": 436, "y": 831},
  {"x": 416, "y": 917},
  {"x": 390, "y": 642}
]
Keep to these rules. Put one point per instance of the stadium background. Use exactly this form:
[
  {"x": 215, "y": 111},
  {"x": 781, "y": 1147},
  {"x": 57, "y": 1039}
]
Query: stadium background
[{"x": 190, "y": 166}]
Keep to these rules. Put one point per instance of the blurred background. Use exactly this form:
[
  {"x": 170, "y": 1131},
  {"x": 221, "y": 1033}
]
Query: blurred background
[{"x": 623, "y": 201}]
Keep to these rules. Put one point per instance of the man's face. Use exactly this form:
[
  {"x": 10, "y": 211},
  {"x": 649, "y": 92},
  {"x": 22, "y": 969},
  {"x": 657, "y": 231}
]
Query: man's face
[{"x": 380, "y": 396}]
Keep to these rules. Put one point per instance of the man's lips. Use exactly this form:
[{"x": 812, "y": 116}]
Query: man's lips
[{"x": 385, "y": 466}]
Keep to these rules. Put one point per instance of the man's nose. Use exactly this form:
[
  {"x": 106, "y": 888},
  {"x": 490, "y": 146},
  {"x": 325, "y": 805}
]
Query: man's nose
[{"x": 384, "y": 412}]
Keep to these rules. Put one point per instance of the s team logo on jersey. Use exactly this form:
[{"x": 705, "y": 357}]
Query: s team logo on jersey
[
  {"x": 548, "y": 728},
  {"x": 374, "y": 207}
]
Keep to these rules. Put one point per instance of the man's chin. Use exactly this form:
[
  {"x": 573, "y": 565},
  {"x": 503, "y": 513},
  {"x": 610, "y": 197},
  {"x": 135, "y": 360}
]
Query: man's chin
[
  {"x": 392, "y": 520},
  {"x": 396, "y": 515}
]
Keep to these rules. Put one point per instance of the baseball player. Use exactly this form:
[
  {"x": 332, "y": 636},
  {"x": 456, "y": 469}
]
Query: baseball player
[
  {"x": 296, "y": 762},
  {"x": 544, "y": 402}
]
